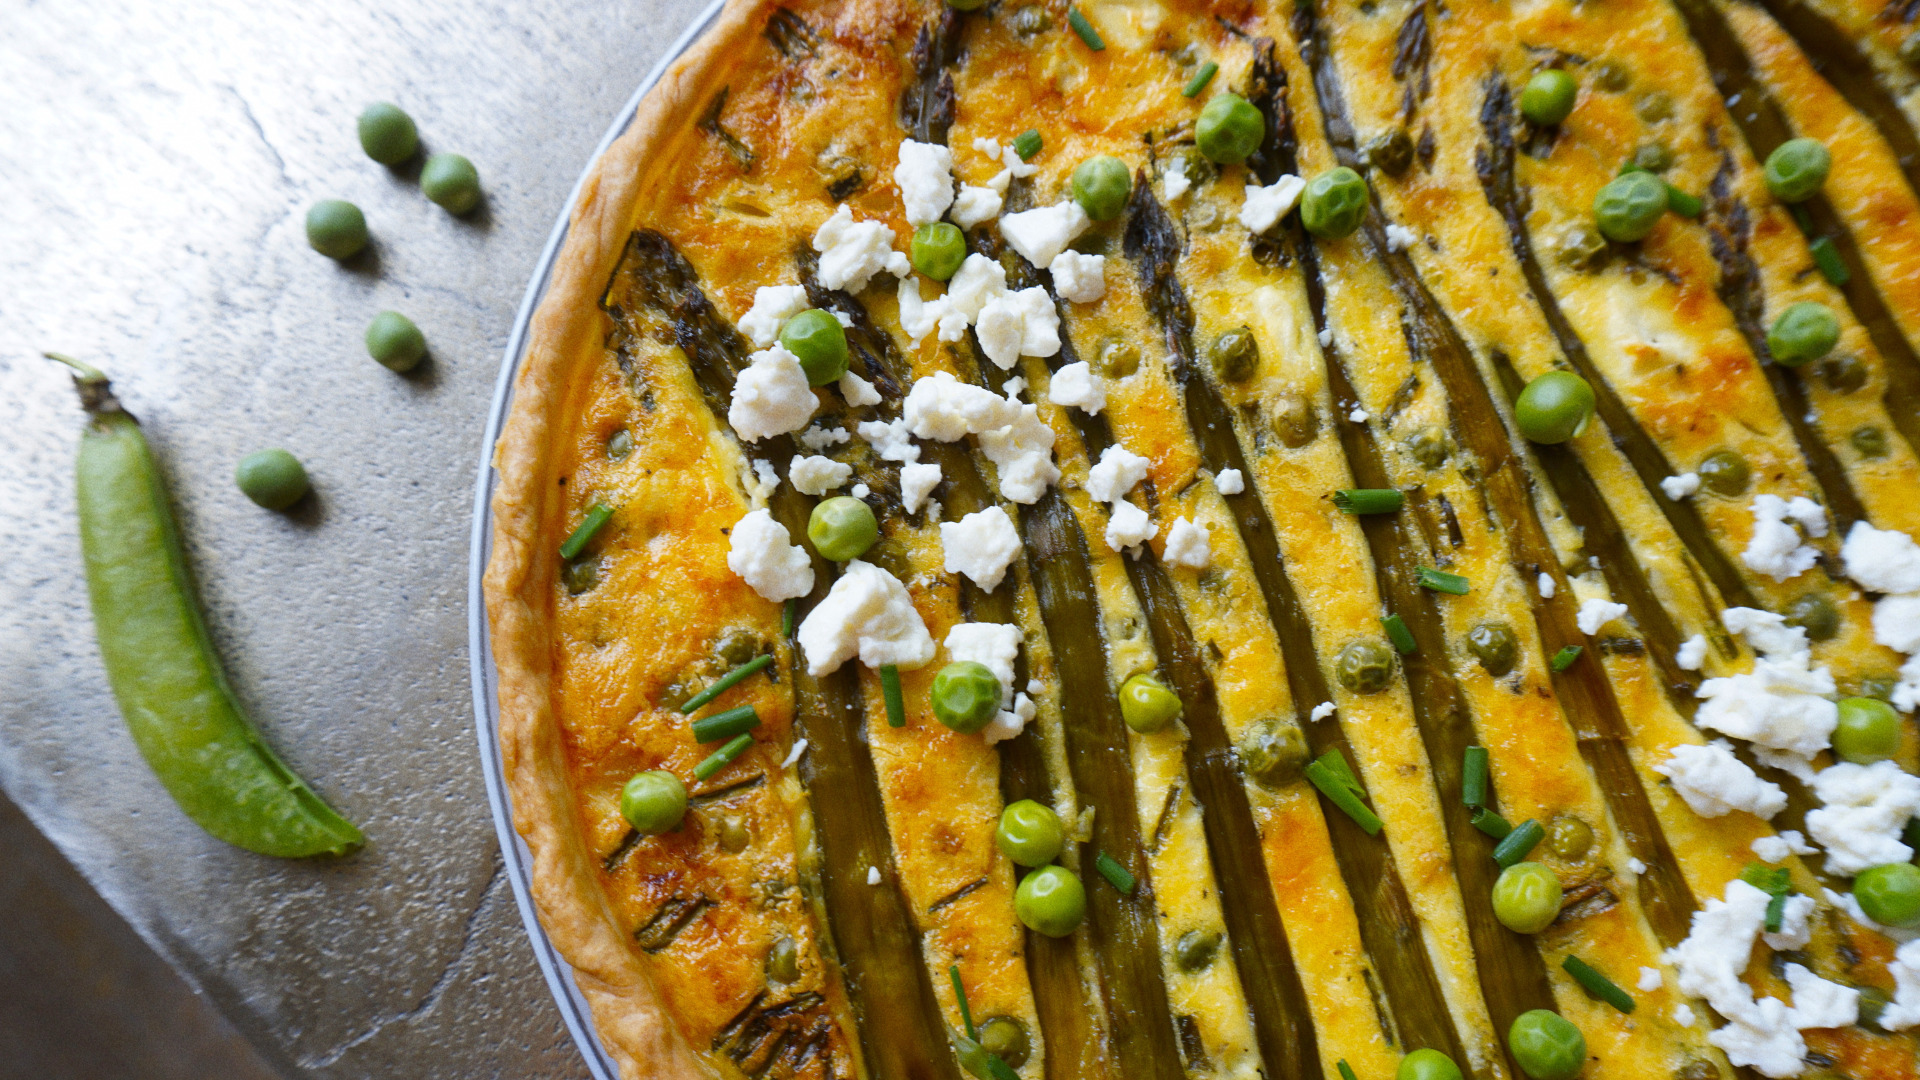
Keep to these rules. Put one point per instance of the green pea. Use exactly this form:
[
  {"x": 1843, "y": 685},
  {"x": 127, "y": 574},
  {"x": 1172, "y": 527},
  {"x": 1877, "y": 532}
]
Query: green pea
[
  {"x": 1629, "y": 206},
  {"x": 819, "y": 342},
  {"x": 274, "y": 478},
  {"x": 1051, "y": 901},
  {"x": 1611, "y": 76},
  {"x": 1495, "y": 646},
  {"x": 387, "y": 134},
  {"x": 619, "y": 445},
  {"x": 395, "y": 342},
  {"x": 1196, "y": 949},
  {"x": 581, "y": 574},
  {"x": 1526, "y": 897},
  {"x": 1796, "y": 169},
  {"x": 1147, "y": 704},
  {"x": 1583, "y": 248},
  {"x": 1030, "y": 834},
  {"x": 1654, "y": 106},
  {"x": 1869, "y": 731},
  {"x": 938, "y": 250},
  {"x": 734, "y": 836},
  {"x": 1869, "y": 442},
  {"x": 1229, "y": 129},
  {"x": 1272, "y": 753},
  {"x": 1364, "y": 666},
  {"x": 1334, "y": 203},
  {"x": 738, "y": 647},
  {"x": 1724, "y": 472},
  {"x": 1555, "y": 406},
  {"x": 654, "y": 802},
  {"x": 1654, "y": 157},
  {"x": 1235, "y": 355},
  {"x": 1546, "y": 1045},
  {"x": 1427, "y": 1064},
  {"x": 1806, "y": 331},
  {"x": 1029, "y": 19},
  {"x": 1391, "y": 153},
  {"x": 966, "y": 695},
  {"x": 1890, "y": 894},
  {"x": 1430, "y": 446},
  {"x": 842, "y": 528},
  {"x": 1198, "y": 169},
  {"x": 451, "y": 181},
  {"x": 1843, "y": 374},
  {"x": 1101, "y": 186},
  {"x": 1118, "y": 359},
  {"x": 783, "y": 961},
  {"x": 1295, "y": 421},
  {"x": 1006, "y": 1038},
  {"x": 336, "y": 228},
  {"x": 1815, "y": 614},
  {"x": 1548, "y": 98},
  {"x": 1569, "y": 837}
]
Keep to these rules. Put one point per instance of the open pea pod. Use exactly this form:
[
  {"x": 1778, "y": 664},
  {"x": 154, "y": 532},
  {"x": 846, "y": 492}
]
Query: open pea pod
[{"x": 160, "y": 661}]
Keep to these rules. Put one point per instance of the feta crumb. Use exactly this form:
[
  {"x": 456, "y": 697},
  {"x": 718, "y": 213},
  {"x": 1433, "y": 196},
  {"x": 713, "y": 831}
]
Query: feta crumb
[
  {"x": 773, "y": 305},
  {"x": 845, "y": 320},
  {"x": 1775, "y": 549},
  {"x": 1714, "y": 782},
  {"x": 1326, "y": 338},
  {"x": 1400, "y": 238},
  {"x": 890, "y": 440},
  {"x": 981, "y": 545},
  {"x": 1680, "y": 485},
  {"x": 1023, "y": 323},
  {"x": 1076, "y": 385},
  {"x": 1321, "y": 711},
  {"x": 1229, "y": 482},
  {"x": 1881, "y": 560},
  {"x": 1265, "y": 206},
  {"x": 1044, "y": 232},
  {"x": 1692, "y": 652},
  {"x": 1128, "y": 526},
  {"x": 978, "y": 281},
  {"x": 1636, "y": 865},
  {"x": 1596, "y": 613},
  {"x": 852, "y": 252},
  {"x": 1778, "y": 848},
  {"x": 817, "y": 475},
  {"x": 995, "y": 646},
  {"x": 1864, "y": 809},
  {"x": 1650, "y": 980},
  {"x": 974, "y": 205},
  {"x": 1187, "y": 545},
  {"x": 1682, "y": 1015},
  {"x": 1795, "y": 928},
  {"x": 942, "y": 408},
  {"x": 1766, "y": 631},
  {"x": 1546, "y": 586},
  {"x": 1035, "y": 687},
  {"x": 1905, "y": 969},
  {"x": 1708, "y": 965},
  {"x": 1022, "y": 455},
  {"x": 867, "y": 613},
  {"x": 873, "y": 875},
  {"x": 817, "y": 439},
  {"x": 1798, "y": 766},
  {"x": 989, "y": 147},
  {"x": 1116, "y": 473},
  {"x": 917, "y": 481},
  {"x": 1896, "y": 623},
  {"x": 793, "y": 755},
  {"x": 1014, "y": 387},
  {"x": 1173, "y": 179},
  {"x": 771, "y": 397},
  {"x": 761, "y": 482},
  {"x": 858, "y": 391},
  {"x": 1009, "y": 722},
  {"x": 1764, "y": 1038},
  {"x": 1906, "y": 692},
  {"x": 1358, "y": 415},
  {"x": 861, "y": 491},
  {"x": 1079, "y": 278},
  {"x": 1817, "y": 1002},
  {"x": 1779, "y": 705},
  {"x": 763, "y": 554},
  {"x": 925, "y": 178}
]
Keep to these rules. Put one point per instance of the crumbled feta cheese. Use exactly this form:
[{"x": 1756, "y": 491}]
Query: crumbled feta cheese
[
  {"x": 1187, "y": 545},
  {"x": 1229, "y": 482},
  {"x": 1778, "y": 848},
  {"x": 761, "y": 482},
  {"x": 925, "y": 178},
  {"x": 1358, "y": 415},
  {"x": 771, "y": 397},
  {"x": 817, "y": 439},
  {"x": 1116, "y": 473},
  {"x": 1265, "y": 206},
  {"x": 873, "y": 875},
  {"x": 1546, "y": 586},
  {"x": 1009, "y": 722},
  {"x": 981, "y": 545},
  {"x": 1022, "y": 455},
  {"x": 845, "y": 320},
  {"x": 1764, "y": 1038},
  {"x": 1896, "y": 623},
  {"x": 1325, "y": 338},
  {"x": 763, "y": 554},
  {"x": 793, "y": 755},
  {"x": 1904, "y": 1012},
  {"x": 978, "y": 281},
  {"x": 852, "y": 252},
  {"x": 1650, "y": 980},
  {"x": 1906, "y": 692},
  {"x": 858, "y": 391},
  {"x": 1714, "y": 782},
  {"x": 1692, "y": 652},
  {"x": 1795, "y": 928},
  {"x": 1778, "y": 705},
  {"x": 974, "y": 205},
  {"x": 1865, "y": 808},
  {"x": 890, "y": 440},
  {"x": 1708, "y": 965},
  {"x": 995, "y": 646},
  {"x": 1128, "y": 526},
  {"x": 1044, "y": 232},
  {"x": 1817, "y": 1002},
  {"x": 817, "y": 475},
  {"x": 1076, "y": 385},
  {"x": 1596, "y": 613},
  {"x": 989, "y": 147},
  {"x": 861, "y": 491},
  {"x": 1400, "y": 238},
  {"x": 1795, "y": 765},
  {"x": 1775, "y": 549},
  {"x": 1173, "y": 179},
  {"x": 1015, "y": 386},
  {"x": 1036, "y": 687},
  {"x": 1023, "y": 323},
  {"x": 1682, "y": 1015},
  {"x": 1881, "y": 560},
  {"x": 1321, "y": 711},
  {"x": 917, "y": 481},
  {"x": 773, "y": 305},
  {"x": 1680, "y": 485},
  {"x": 942, "y": 408},
  {"x": 1766, "y": 631},
  {"x": 1079, "y": 278},
  {"x": 1808, "y": 515},
  {"x": 1635, "y": 865},
  {"x": 869, "y": 614}
]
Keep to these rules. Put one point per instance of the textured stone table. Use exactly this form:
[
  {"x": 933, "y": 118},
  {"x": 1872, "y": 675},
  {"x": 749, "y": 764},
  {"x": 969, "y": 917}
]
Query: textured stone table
[{"x": 156, "y": 162}]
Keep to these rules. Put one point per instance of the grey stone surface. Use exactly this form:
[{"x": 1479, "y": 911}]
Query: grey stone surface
[{"x": 156, "y": 162}]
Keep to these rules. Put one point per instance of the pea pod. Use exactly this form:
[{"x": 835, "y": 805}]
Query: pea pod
[{"x": 160, "y": 661}]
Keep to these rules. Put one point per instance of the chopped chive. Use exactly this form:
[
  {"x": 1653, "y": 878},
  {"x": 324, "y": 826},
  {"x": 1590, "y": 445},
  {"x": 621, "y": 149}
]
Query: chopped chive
[
  {"x": 1772, "y": 880},
  {"x": 1514, "y": 847},
  {"x": 1000, "y": 1069},
  {"x": 1490, "y": 823},
  {"x": 1680, "y": 202},
  {"x": 1776, "y": 912},
  {"x": 722, "y": 757},
  {"x": 960, "y": 995},
  {"x": 1369, "y": 500},
  {"x": 1346, "y": 1070},
  {"x": 1339, "y": 791},
  {"x": 726, "y": 682},
  {"x": 890, "y": 689},
  {"x": 788, "y": 616},
  {"x": 1397, "y": 632},
  {"x": 725, "y": 725},
  {"x": 1085, "y": 29},
  {"x": 577, "y": 540},
  {"x": 1027, "y": 144},
  {"x": 1116, "y": 875},
  {"x": 1564, "y": 659},
  {"x": 1597, "y": 984},
  {"x": 1200, "y": 79},
  {"x": 1441, "y": 581},
  {"x": 1473, "y": 777},
  {"x": 1801, "y": 217},
  {"x": 1337, "y": 764},
  {"x": 1827, "y": 258}
]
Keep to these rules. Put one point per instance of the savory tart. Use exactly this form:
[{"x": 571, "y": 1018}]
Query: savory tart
[{"x": 1236, "y": 538}]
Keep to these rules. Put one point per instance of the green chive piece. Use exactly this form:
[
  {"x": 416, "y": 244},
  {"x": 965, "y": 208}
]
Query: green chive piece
[
  {"x": 577, "y": 541},
  {"x": 1776, "y": 912},
  {"x": 1116, "y": 875},
  {"x": 1490, "y": 823},
  {"x": 788, "y": 616},
  {"x": 1346, "y": 1070},
  {"x": 1397, "y": 632},
  {"x": 960, "y": 995},
  {"x": 1085, "y": 29},
  {"x": 1473, "y": 777},
  {"x": 722, "y": 757},
  {"x": 890, "y": 689},
  {"x": 1597, "y": 984},
  {"x": 1688, "y": 206},
  {"x": 1772, "y": 880},
  {"x": 1564, "y": 659},
  {"x": 1337, "y": 765},
  {"x": 1369, "y": 500},
  {"x": 1200, "y": 79},
  {"x": 1000, "y": 1069},
  {"x": 1441, "y": 581},
  {"x": 1801, "y": 217},
  {"x": 1515, "y": 846},
  {"x": 1341, "y": 791},
  {"x": 1027, "y": 144},
  {"x": 726, "y": 683},
  {"x": 725, "y": 725},
  {"x": 1827, "y": 258}
]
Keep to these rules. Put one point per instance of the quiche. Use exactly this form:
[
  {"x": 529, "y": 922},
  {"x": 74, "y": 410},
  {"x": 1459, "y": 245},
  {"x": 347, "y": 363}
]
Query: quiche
[{"x": 1232, "y": 538}]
